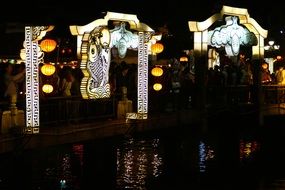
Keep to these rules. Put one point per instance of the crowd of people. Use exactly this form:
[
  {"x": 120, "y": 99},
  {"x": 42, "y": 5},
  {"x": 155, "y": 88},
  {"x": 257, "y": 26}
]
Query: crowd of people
[
  {"x": 65, "y": 82},
  {"x": 12, "y": 82},
  {"x": 178, "y": 79}
]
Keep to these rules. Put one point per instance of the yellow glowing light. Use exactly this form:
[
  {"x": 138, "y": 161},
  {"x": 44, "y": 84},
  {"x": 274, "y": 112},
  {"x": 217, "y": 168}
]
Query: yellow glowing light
[
  {"x": 157, "y": 71},
  {"x": 47, "y": 88},
  {"x": 157, "y": 86},
  {"x": 157, "y": 48},
  {"x": 264, "y": 66},
  {"x": 23, "y": 54},
  {"x": 201, "y": 28},
  {"x": 48, "y": 69},
  {"x": 183, "y": 59},
  {"x": 48, "y": 45}
]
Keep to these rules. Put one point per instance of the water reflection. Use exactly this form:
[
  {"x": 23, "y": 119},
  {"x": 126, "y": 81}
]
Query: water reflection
[
  {"x": 241, "y": 160},
  {"x": 65, "y": 174},
  {"x": 248, "y": 148},
  {"x": 137, "y": 161},
  {"x": 206, "y": 153}
]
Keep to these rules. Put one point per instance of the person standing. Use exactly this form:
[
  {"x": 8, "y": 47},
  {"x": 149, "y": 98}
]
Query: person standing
[
  {"x": 11, "y": 81},
  {"x": 280, "y": 76},
  {"x": 66, "y": 84},
  {"x": 265, "y": 74},
  {"x": 122, "y": 80}
]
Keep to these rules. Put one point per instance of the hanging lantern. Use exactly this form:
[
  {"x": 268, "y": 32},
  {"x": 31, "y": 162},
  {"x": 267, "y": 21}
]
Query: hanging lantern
[
  {"x": 157, "y": 48},
  {"x": 47, "y": 88},
  {"x": 157, "y": 86},
  {"x": 48, "y": 45},
  {"x": 183, "y": 59},
  {"x": 48, "y": 69},
  {"x": 23, "y": 54},
  {"x": 157, "y": 71}
]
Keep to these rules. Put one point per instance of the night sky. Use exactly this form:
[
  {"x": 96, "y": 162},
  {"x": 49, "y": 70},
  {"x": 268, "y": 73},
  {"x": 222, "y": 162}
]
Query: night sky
[{"x": 173, "y": 14}]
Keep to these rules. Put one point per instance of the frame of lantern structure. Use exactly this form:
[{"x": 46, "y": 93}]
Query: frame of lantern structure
[
  {"x": 34, "y": 56},
  {"x": 92, "y": 36}
]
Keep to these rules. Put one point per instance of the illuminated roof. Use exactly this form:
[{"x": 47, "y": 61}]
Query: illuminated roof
[
  {"x": 130, "y": 18},
  {"x": 244, "y": 19}
]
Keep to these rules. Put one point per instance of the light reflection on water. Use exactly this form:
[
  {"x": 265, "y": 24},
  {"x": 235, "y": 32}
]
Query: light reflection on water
[
  {"x": 138, "y": 163},
  {"x": 138, "y": 160},
  {"x": 206, "y": 153},
  {"x": 248, "y": 148}
]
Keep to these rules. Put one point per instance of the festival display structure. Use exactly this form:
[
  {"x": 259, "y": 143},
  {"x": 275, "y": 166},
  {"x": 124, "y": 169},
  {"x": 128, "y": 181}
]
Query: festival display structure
[{"x": 94, "y": 43}]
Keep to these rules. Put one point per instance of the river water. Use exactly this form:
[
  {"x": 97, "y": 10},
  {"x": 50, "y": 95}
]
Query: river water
[{"x": 227, "y": 155}]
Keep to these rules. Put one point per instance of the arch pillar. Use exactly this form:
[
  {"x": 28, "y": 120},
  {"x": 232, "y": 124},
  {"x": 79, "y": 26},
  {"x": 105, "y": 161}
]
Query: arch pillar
[{"x": 201, "y": 62}]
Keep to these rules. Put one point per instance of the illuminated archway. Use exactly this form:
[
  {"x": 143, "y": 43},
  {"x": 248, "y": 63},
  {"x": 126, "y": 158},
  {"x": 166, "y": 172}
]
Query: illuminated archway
[
  {"x": 201, "y": 33},
  {"x": 95, "y": 57},
  {"x": 202, "y": 42}
]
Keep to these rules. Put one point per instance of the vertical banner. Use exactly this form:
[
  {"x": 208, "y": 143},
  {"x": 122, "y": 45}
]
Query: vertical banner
[
  {"x": 142, "y": 103},
  {"x": 32, "y": 82}
]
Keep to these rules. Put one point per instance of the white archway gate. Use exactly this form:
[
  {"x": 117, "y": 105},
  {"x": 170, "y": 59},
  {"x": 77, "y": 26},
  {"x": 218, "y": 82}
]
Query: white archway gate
[
  {"x": 94, "y": 42},
  {"x": 202, "y": 40},
  {"x": 201, "y": 33}
]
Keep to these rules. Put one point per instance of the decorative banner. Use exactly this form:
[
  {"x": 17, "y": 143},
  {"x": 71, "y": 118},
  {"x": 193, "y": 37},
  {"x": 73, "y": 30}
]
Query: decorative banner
[
  {"x": 95, "y": 65},
  {"x": 95, "y": 55},
  {"x": 34, "y": 56},
  {"x": 231, "y": 36},
  {"x": 142, "y": 102},
  {"x": 32, "y": 82},
  {"x": 123, "y": 39}
]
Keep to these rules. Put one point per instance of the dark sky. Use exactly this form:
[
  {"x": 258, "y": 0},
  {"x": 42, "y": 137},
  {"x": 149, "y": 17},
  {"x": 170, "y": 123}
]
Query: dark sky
[{"x": 174, "y": 14}]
